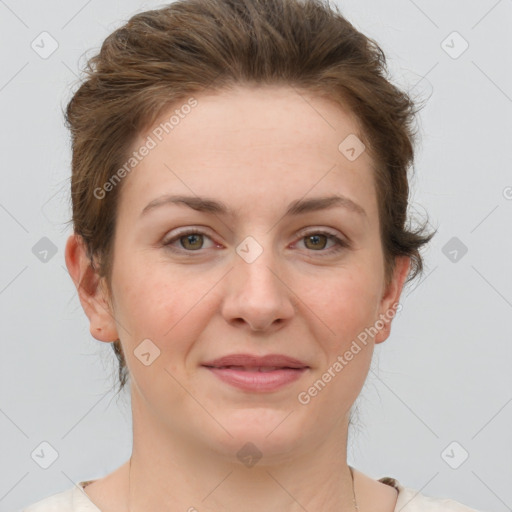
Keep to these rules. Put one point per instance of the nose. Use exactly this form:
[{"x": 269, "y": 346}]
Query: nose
[{"x": 257, "y": 295}]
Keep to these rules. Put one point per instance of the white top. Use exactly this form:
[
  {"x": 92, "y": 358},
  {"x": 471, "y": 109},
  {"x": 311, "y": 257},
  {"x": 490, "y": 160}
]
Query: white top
[{"x": 409, "y": 500}]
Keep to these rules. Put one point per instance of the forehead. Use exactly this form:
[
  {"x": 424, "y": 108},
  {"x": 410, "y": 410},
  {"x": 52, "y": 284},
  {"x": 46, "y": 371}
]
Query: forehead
[
  {"x": 251, "y": 140},
  {"x": 248, "y": 115}
]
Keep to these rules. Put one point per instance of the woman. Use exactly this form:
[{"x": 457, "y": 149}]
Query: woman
[{"x": 240, "y": 189}]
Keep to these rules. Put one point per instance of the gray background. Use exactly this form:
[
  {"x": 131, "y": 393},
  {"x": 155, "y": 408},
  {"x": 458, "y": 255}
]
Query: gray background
[{"x": 444, "y": 375}]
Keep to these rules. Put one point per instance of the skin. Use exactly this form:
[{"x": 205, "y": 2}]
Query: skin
[{"x": 256, "y": 150}]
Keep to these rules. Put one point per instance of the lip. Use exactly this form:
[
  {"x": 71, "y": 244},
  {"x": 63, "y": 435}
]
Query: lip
[
  {"x": 257, "y": 381},
  {"x": 249, "y": 360},
  {"x": 257, "y": 373}
]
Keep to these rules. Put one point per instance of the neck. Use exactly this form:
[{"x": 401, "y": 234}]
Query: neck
[{"x": 172, "y": 470}]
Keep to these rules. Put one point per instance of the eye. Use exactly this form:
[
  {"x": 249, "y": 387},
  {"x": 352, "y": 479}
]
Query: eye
[
  {"x": 190, "y": 240},
  {"x": 317, "y": 241}
]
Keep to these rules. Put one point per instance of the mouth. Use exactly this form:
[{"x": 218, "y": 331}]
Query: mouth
[{"x": 255, "y": 373}]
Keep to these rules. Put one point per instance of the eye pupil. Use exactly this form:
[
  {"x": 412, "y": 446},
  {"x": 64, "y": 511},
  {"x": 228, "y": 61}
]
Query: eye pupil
[
  {"x": 191, "y": 238},
  {"x": 315, "y": 239}
]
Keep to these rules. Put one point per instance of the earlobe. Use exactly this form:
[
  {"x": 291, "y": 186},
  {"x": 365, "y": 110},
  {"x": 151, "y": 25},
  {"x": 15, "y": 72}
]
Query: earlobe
[
  {"x": 91, "y": 290},
  {"x": 391, "y": 298}
]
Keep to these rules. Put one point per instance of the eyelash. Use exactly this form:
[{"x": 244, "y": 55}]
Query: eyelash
[{"x": 340, "y": 243}]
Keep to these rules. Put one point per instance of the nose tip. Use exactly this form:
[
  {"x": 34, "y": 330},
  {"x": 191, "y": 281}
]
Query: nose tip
[{"x": 256, "y": 295}]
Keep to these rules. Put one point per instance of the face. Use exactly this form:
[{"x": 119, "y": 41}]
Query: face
[{"x": 249, "y": 270}]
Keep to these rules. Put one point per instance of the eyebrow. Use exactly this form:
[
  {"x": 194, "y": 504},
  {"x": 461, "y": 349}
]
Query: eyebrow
[{"x": 297, "y": 207}]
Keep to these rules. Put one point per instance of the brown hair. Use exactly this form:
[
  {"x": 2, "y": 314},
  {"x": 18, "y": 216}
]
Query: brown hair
[{"x": 162, "y": 56}]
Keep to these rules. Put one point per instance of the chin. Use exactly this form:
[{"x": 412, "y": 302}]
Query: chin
[{"x": 259, "y": 432}]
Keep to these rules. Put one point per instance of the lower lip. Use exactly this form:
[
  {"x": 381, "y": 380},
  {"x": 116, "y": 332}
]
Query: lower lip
[{"x": 255, "y": 380}]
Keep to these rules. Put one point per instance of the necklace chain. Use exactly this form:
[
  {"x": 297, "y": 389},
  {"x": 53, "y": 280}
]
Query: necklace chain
[{"x": 356, "y": 507}]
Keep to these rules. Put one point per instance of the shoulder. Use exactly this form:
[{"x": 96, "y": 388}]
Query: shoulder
[
  {"x": 70, "y": 500},
  {"x": 410, "y": 500}
]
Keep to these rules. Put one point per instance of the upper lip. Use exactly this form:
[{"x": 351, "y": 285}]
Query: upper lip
[{"x": 249, "y": 360}]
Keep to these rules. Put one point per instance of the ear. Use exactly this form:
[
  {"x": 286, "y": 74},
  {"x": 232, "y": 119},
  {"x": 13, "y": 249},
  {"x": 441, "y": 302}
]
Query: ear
[
  {"x": 391, "y": 297},
  {"x": 91, "y": 289}
]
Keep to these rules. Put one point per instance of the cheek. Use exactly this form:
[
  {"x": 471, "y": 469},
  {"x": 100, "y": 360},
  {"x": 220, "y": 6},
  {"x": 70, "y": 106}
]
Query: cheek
[
  {"x": 158, "y": 302},
  {"x": 346, "y": 306},
  {"x": 347, "y": 302},
  {"x": 148, "y": 302}
]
